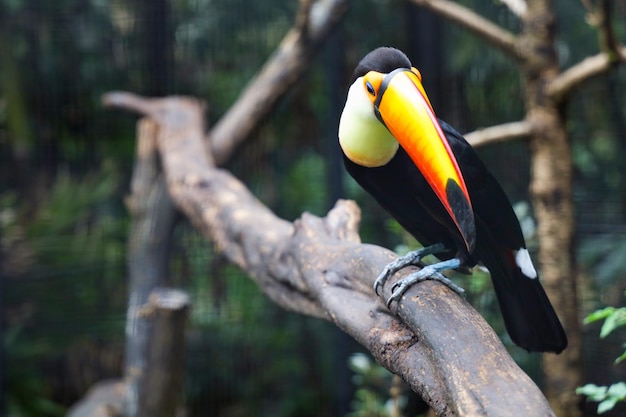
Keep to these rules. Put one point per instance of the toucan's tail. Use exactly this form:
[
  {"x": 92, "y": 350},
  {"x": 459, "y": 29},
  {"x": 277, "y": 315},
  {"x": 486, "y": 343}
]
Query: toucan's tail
[{"x": 528, "y": 314}]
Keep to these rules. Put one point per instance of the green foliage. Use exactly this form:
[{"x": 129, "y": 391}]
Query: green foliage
[
  {"x": 241, "y": 345},
  {"x": 373, "y": 382},
  {"x": 27, "y": 393},
  {"x": 605, "y": 257},
  {"x": 607, "y": 396},
  {"x": 81, "y": 229},
  {"x": 613, "y": 318},
  {"x": 73, "y": 259},
  {"x": 305, "y": 185}
]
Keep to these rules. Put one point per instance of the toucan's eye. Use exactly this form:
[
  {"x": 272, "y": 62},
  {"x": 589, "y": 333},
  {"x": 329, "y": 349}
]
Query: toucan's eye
[{"x": 372, "y": 81}]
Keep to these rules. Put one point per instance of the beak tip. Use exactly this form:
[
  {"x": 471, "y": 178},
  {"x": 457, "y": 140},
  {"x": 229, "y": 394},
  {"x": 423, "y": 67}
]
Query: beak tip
[{"x": 462, "y": 212}]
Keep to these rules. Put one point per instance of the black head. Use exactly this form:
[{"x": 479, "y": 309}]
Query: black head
[{"x": 383, "y": 59}]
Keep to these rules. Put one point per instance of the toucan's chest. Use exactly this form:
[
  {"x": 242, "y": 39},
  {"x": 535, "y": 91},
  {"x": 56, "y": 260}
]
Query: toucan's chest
[{"x": 401, "y": 189}]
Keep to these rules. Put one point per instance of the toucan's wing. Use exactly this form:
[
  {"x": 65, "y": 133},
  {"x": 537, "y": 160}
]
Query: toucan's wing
[
  {"x": 528, "y": 314},
  {"x": 489, "y": 200}
]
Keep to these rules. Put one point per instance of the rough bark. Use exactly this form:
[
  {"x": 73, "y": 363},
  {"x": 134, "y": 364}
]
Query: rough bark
[
  {"x": 552, "y": 200},
  {"x": 551, "y": 190},
  {"x": 437, "y": 343}
]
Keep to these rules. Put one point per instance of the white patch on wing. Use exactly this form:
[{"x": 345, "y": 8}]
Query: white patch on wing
[{"x": 522, "y": 259}]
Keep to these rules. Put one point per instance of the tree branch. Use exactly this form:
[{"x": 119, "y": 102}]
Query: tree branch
[
  {"x": 599, "y": 16},
  {"x": 499, "y": 133},
  {"x": 317, "y": 266},
  {"x": 472, "y": 21},
  {"x": 290, "y": 61},
  {"x": 612, "y": 53},
  {"x": 589, "y": 67}
]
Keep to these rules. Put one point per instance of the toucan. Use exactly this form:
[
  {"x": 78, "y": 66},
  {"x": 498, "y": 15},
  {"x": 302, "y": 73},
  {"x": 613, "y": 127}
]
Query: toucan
[{"x": 429, "y": 178}]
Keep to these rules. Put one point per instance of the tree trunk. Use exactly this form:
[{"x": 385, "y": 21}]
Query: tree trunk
[
  {"x": 551, "y": 191},
  {"x": 162, "y": 387},
  {"x": 153, "y": 218}
]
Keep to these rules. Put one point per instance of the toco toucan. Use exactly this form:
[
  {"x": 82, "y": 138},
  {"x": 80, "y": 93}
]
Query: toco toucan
[{"x": 426, "y": 176}]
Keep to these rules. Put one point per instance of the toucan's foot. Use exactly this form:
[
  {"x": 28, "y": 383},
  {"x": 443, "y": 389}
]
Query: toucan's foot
[
  {"x": 411, "y": 258},
  {"x": 429, "y": 272}
]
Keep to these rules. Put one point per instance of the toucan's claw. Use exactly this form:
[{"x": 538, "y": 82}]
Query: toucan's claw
[
  {"x": 429, "y": 272},
  {"x": 411, "y": 258},
  {"x": 425, "y": 274}
]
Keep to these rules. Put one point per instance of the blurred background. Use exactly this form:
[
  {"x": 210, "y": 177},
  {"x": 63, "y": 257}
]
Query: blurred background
[{"x": 65, "y": 166}]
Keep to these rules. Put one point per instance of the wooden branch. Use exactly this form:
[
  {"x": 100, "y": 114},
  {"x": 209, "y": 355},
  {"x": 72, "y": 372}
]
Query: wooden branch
[
  {"x": 153, "y": 216},
  {"x": 292, "y": 58},
  {"x": 589, "y": 67},
  {"x": 599, "y": 16},
  {"x": 499, "y": 133},
  {"x": 191, "y": 140},
  {"x": 317, "y": 266},
  {"x": 162, "y": 388},
  {"x": 472, "y": 21}
]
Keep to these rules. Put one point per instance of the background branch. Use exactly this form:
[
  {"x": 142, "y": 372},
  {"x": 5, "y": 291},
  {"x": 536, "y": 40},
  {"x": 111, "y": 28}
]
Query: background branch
[
  {"x": 599, "y": 16},
  {"x": 499, "y": 133},
  {"x": 502, "y": 39},
  {"x": 314, "y": 21},
  {"x": 589, "y": 67}
]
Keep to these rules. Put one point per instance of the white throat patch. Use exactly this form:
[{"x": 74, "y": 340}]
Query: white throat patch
[{"x": 363, "y": 138}]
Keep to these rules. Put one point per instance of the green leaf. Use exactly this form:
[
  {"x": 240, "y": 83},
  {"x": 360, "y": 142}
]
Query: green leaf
[
  {"x": 613, "y": 321},
  {"x": 599, "y": 315},
  {"x": 606, "y": 405},
  {"x": 593, "y": 391},
  {"x": 606, "y": 396},
  {"x": 618, "y": 391}
]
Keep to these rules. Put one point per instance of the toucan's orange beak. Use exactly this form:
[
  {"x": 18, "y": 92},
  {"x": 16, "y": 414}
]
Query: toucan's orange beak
[{"x": 403, "y": 106}]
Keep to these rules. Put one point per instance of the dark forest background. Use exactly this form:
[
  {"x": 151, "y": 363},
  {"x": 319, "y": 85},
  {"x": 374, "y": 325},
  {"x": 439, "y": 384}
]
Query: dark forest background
[{"x": 65, "y": 165}]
